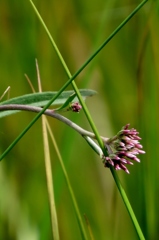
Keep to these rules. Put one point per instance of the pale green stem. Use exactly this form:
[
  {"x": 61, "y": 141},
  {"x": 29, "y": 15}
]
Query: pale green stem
[
  {"x": 53, "y": 114},
  {"x": 48, "y": 170},
  {"x": 49, "y": 180}
]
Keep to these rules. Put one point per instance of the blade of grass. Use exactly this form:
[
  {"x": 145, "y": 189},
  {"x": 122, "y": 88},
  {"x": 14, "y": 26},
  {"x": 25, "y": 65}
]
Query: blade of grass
[
  {"x": 48, "y": 170},
  {"x": 49, "y": 180},
  {"x": 7, "y": 91},
  {"x": 89, "y": 228}
]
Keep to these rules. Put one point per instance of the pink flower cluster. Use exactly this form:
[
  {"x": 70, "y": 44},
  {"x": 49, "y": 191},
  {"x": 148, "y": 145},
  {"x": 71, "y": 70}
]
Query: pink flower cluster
[
  {"x": 123, "y": 149},
  {"x": 75, "y": 107}
]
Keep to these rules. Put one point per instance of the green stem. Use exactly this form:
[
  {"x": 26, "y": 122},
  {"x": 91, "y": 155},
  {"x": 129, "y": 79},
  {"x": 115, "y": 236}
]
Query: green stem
[{"x": 128, "y": 205}]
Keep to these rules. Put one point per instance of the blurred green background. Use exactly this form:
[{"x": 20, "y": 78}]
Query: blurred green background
[{"x": 126, "y": 76}]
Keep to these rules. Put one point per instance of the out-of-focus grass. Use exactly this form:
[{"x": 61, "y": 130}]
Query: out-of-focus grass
[{"x": 128, "y": 92}]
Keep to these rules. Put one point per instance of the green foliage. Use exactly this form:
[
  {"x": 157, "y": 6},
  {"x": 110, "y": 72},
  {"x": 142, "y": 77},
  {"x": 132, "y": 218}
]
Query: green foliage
[
  {"x": 41, "y": 99},
  {"x": 125, "y": 74}
]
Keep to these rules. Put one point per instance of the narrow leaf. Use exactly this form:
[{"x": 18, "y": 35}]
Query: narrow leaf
[
  {"x": 41, "y": 99},
  {"x": 66, "y": 103}
]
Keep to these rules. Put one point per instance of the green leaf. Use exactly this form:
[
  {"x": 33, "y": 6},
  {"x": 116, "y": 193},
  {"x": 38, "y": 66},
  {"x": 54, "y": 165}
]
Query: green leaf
[
  {"x": 41, "y": 99},
  {"x": 67, "y": 102}
]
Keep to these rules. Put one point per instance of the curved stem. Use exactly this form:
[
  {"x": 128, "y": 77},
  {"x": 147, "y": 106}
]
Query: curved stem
[{"x": 51, "y": 113}]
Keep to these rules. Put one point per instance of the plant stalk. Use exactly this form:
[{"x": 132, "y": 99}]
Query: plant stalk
[
  {"x": 49, "y": 181},
  {"x": 127, "y": 204}
]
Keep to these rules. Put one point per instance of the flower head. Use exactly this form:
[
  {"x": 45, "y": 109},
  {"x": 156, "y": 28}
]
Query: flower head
[
  {"x": 123, "y": 148},
  {"x": 75, "y": 107}
]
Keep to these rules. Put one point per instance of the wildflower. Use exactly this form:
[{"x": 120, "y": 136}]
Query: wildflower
[
  {"x": 75, "y": 107},
  {"x": 123, "y": 148}
]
